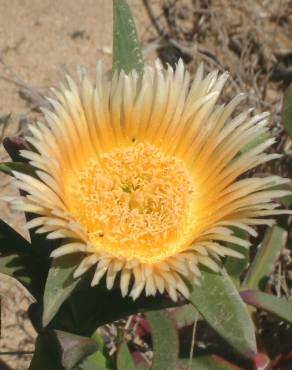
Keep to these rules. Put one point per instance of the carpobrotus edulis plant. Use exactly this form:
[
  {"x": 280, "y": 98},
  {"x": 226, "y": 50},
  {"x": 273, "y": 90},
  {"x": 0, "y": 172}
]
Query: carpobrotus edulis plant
[
  {"x": 141, "y": 174},
  {"x": 138, "y": 185}
]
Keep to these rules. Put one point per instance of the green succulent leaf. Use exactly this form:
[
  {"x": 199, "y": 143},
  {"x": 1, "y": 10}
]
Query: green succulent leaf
[
  {"x": 99, "y": 360},
  {"x": 74, "y": 348},
  {"x": 267, "y": 302},
  {"x": 17, "y": 266},
  {"x": 287, "y": 112},
  {"x": 268, "y": 253},
  {"x": 210, "y": 362},
  {"x": 59, "y": 285},
  {"x": 217, "y": 300},
  {"x": 164, "y": 339},
  {"x": 124, "y": 358},
  {"x": 236, "y": 266},
  {"x": 61, "y": 351},
  {"x": 18, "y": 260},
  {"x": 127, "y": 54},
  {"x": 96, "y": 361},
  {"x": 184, "y": 316}
]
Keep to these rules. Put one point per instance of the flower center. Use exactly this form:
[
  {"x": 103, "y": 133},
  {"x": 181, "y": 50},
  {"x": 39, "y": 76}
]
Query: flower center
[{"x": 134, "y": 202}]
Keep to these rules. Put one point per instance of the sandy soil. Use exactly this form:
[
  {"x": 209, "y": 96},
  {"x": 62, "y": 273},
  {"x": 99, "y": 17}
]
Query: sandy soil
[{"x": 39, "y": 39}]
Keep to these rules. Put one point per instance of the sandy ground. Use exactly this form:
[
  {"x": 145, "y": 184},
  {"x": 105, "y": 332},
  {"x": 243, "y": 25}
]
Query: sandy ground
[{"x": 39, "y": 39}]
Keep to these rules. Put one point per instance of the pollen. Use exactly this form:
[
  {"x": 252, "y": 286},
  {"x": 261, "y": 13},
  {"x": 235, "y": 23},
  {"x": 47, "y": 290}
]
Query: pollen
[{"x": 134, "y": 202}]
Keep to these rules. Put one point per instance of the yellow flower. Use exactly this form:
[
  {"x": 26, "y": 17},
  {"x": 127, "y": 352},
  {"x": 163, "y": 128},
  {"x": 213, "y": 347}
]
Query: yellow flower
[{"x": 141, "y": 176}]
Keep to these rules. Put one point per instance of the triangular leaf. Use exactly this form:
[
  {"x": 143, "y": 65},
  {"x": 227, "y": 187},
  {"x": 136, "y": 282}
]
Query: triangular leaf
[
  {"x": 183, "y": 316},
  {"x": 124, "y": 358},
  {"x": 218, "y": 301},
  {"x": 164, "y": 339},
  {"x": 211, "y": 362},
  {"x": 267, "y": 302},
  {"x": 57, "y": 350},
  {"x": 236, "y": 266},
  {"x": 18, "y": 260},
  {"x": 74, "y": 348},
  {"x": 127, "y": 54},
  {"x": 263, "y": 264},
  {"x": 96, "y": 361},
  {"x": 59, "y": 285}
]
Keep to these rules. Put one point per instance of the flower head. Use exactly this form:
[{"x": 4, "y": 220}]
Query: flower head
[{"x": 141, "y": 175}]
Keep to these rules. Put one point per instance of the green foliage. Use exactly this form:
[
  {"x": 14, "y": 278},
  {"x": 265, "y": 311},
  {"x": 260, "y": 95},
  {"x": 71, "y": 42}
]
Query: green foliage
[
  {"x": 59, "y": 285},
  {"x": 74, "y": 348},
  {"x": 235, "y": 266},
  {"x": 19, "y": 267},
  {"x": 96, "y": 361},
  {"x": 61, "y": 351},
  {"x": 127, "y": 54},
  {"x": 164, "y": 340},
  {"x": 19, "y": 260},
  {"x": 124, "y": 358},
  {"x": 268, "y": 253},
  {"x": 184, "y": 316},
  {"x": 219, "y": 303},
  {"x": 211, "y": 362},
  {"x": 267, "y": 302}
]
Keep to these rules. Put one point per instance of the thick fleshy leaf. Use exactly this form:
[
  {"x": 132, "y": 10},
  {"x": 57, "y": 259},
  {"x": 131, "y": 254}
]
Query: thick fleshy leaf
[
  {"x": 212, "y": 362},
  {"x": 236, "y": 266},
  {"x": 16, "y": 266},
  {"x": 74, "y": 348},
  {"x": 164, "y": 340},
  {"x": 264, "y": 261},
  {"x": 127, "y": 54},
  {"x": 57, "y": 350},
  {"x": 267, "y": 302},
  {"x": 184, "y": 316},
  {"x": 18, "y": 260},
  {"x": 218, "y": 301},
  {"x": 124, "y": 358},
  {"x": 99, "y": 360},
  {"x": 287, "y": 112},
  {"x": 59, "y": 285},
  {"x": 96, "y": 361}
]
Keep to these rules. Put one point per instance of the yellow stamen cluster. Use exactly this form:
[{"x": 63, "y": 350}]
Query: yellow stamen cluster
[{"x": 130, "y": 199}]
